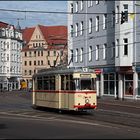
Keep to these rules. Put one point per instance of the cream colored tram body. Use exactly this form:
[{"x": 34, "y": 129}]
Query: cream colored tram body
[{"x": 65, "y": 89}]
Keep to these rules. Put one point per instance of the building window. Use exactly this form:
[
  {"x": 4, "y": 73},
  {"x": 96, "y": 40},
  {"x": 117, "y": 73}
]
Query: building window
[
  {"x": 71, "y": 7},
  {"x": 128, "y": 84},
  {"x": 90, "y": 3},
  {"x": 97, "y": 1},
  {"x": 7, "y": 57},
  {"x": 38, "y": 62},
  {"x": 76, "y": 55},
  {"x": 41, "y": 53},
  {"x": 109, "y": 84},
  {"x": 7, "y": 45},
  {"x": 25, "y": 72},
  {"x": 25, "y": 63},
  {"x": 38, "y": 53},
  {"x": 82, "y": 4},
  {"x": 34, "y": 62},
  {"x": 113, "y": 19},
  {"x": 90, "y": 25},
  {"x": 126, "y": 11},
  {"x": 76, "y": 6},
  {"x": 71, "y": 30},
  {"x": 97, "y": 23},
  {"x": 41, "y": 62},
  {"x": 104, "y": 21},
  {"x": 104, "y": 51},
  {"x": 81, "y": 28},
  {"x": 34, "y": 53},
  {"x": 71, "y": 52},
  {"x": 125, "y": 46},
  {"x": 90, "y": 53},
  {"x": 25, "y": 54},
  {"x": 97, "y": 52},
  {"x": 117, "y": 47},
  {"x": 117, "y": 14},
  {"x": 81, "y": 54},
  {"x": 30, "y": 63},
  {"x": 30, "y": 54},
  {"x": 76, "y": 29},
  {"x": 30, "y": 72},
  {"x": 48, "y": 53}
]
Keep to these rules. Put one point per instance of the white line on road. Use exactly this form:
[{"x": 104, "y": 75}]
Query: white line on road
[{"x": 22, "y": 116}]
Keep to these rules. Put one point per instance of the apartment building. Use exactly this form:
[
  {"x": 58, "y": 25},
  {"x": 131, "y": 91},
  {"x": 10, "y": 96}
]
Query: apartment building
[
  {"x": 44, "y": 47},
  {"x": 10, "y": 57},
  {"x": 101, "y": 40}
]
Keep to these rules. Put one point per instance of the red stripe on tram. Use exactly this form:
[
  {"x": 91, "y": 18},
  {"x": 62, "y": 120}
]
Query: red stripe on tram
[
  {"x": 65, "y": 91},
  {"x": 85, "y": 106}
]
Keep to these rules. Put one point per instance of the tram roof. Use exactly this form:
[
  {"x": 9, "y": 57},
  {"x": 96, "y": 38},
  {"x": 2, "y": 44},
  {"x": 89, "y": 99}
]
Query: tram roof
[{"x": 63, "y": 70}]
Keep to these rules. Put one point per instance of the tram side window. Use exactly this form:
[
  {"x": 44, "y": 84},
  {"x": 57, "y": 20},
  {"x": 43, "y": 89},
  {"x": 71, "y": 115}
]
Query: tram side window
[
  {"x": 39, "y": 83},
  {"x": 46, "y": 83},
  {"x": 93, "y": 84},
  {"x": 52, "y": 83},
  {"x": 67, "y": 82},
  {"x": 62, "y": 82},
  {"x": 72, "y": 83}
]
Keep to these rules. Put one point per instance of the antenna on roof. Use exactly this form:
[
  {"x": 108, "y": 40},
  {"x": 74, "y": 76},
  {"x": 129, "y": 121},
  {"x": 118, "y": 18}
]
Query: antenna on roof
[{"x": 18, "y": 25}]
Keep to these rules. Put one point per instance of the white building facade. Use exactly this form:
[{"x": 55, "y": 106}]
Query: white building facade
[
  {"x": 10, "y": 57},
  {"x": 99, "y": 39}
]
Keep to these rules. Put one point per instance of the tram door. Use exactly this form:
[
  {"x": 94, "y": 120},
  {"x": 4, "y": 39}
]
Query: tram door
[{"x": 64, "y": 95}]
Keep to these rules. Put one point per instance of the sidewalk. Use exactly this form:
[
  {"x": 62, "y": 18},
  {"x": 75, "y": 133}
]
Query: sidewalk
[
  {"x": 126, "y": 105},
  {"x": 112, "y": 100}
]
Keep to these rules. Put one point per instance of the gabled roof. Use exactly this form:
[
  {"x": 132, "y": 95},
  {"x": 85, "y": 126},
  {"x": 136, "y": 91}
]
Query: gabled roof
[
  {"x": 52, "y": 34},
  {"x": 3, "y": 24},
  {"x": 27, "y": 33}
]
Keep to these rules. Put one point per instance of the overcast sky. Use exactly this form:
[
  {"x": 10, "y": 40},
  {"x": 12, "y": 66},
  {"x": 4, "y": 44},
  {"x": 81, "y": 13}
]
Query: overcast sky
[{"x": 32, "y": 19}]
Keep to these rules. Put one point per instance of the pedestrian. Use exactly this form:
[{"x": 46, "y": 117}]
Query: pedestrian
[{"x": 130, "y": 89}]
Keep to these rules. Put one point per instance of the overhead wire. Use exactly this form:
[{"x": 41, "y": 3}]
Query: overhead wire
[{"x": 91, "y": 37}]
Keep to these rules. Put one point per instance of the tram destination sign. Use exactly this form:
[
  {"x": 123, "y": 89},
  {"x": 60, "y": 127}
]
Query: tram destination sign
[{"x": 85, "y": 75}]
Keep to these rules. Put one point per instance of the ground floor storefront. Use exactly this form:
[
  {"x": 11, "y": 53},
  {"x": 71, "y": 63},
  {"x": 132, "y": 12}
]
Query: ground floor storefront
[
  {"x": 9, "y": 84},
  {"x": 120, "y": 83}
]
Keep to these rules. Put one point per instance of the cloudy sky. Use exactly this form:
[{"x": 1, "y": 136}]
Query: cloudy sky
[{"x": 32, "y": 19}]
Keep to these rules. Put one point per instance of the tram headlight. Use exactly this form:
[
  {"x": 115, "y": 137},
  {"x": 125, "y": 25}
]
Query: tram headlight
[{"x": 86, "y": 101}]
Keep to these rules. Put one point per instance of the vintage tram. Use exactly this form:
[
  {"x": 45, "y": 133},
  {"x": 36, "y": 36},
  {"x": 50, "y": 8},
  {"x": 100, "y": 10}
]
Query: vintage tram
[{"x": 65, "y": 89}]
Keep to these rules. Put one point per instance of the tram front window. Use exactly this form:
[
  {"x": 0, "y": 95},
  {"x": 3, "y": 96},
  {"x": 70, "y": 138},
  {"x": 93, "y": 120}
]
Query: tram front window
[{"x": 86, "y": 84}]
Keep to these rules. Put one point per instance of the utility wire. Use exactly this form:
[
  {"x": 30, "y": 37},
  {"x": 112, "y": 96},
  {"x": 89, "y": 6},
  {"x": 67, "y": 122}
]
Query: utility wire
[{"x": 58, "y": 12}]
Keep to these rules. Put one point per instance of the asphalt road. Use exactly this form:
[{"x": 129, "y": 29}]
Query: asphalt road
[
  {"x": 19, "y": 127},
  {"x": 19, "y": 120}
]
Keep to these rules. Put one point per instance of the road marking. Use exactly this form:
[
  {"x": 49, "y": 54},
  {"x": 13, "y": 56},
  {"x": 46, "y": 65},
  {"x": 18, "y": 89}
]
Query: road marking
[{"x": 14, "y": 116}]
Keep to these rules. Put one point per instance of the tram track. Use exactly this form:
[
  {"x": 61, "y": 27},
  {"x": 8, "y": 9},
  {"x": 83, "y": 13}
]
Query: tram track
[
  {"x": 115, "y": 117},
  {"x": 106, "y": 112}
]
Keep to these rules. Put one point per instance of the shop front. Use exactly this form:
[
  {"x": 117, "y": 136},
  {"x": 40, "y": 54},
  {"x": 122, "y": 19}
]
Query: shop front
[
  {"x": 110, "y": 82},
  {"x": 126, "y": 82}
]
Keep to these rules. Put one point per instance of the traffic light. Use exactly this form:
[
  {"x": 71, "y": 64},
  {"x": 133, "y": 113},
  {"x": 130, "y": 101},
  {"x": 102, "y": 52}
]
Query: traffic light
[{"x": 123, "y": 17}]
